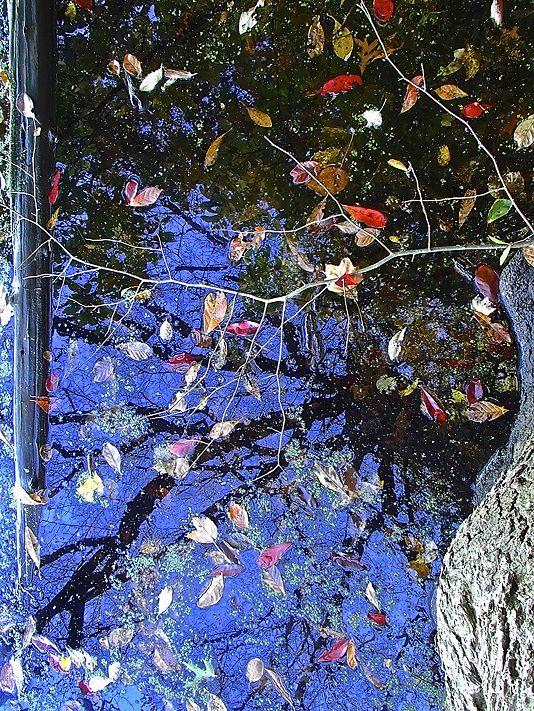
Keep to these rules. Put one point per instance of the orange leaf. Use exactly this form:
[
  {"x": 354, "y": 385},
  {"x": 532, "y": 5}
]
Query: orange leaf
[
  {"x": 132, "y": 65},
  {"x": 238, "y": 515},
  {"x": 448, "y": 92},
  {"x": 215, "y": 306},
  {"x": 412, "y": 94},
  {"x": 147, "y": 196},
  {"x": 372, "y": 218}
]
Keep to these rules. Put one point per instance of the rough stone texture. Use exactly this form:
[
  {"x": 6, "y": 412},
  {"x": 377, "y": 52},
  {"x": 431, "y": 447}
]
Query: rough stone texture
[{"x": 485, "y": 600}]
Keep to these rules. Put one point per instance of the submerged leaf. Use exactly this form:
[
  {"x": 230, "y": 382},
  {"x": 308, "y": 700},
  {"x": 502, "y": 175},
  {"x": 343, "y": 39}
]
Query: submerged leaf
[
  {"x": 212, "y": 592},
  {"x": 448, "y": 92},
  {"x": 273, "y": 578},
  {"x": 316, "y": 38},
  {"x": 340, "y": 84},
  {"x": 279, "y": 686},
  {"x": 466, "y": 206},
  {"x": 112, "y": 456},
  {"x": 32, "y": 546}
]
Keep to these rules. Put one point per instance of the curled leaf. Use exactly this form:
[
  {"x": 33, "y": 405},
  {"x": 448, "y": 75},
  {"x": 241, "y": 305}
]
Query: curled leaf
[
  {"x": 151, "y": 80},
  {"x": 336, "y": 652},
  {"x": 25, "y": 105},
  {"x": 431, "y": 406},
  {"x": 484, "y": 411},
  {"x": 412, "y": 94},
  {"x": 487, "y": 282},
  {"x": 270, "y": 556},
  {"x": 132, "y": 65}
]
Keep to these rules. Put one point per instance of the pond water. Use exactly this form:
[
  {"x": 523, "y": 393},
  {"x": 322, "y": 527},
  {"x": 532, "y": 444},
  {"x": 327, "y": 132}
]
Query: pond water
[{"x": 185, "y": 383}]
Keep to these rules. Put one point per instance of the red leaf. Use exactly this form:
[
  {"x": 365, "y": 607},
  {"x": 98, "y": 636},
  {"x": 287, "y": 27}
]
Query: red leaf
[
  {"x": 85, "y": 4},
  {"x": 243, "y": 328},
  {"x": 52, "y": 197},
  {"x": 303, "y": 172},
  {"x": 348, "y": 281},
  {"x": 474, "y": 391},
  {"x": 181, "y": 362},
  {"x": 228, "y": 570},
  {"x": 183, "y": 447},
  {"x": 130, "y": 190},
  {"x": 340, "y": 84},
  {"x": 432, "y": 407},
  {"x": 147, "y": 196},
  {"x": 412, "y": 94},
  {"x": 372, "y": 218},
  {"x": 52, "y": 382},
  {"x": 379, "y": 618},
  {"x": 336, "y": 652},
  {"x": 85, "y": 688},
  {"x": 383, "y": 10},
  {"x": 474, "y": 109},
  {"x": 487, "y": 282},
  {"x": 45, "y": 403},
  {"x": 271, "y": 556}
]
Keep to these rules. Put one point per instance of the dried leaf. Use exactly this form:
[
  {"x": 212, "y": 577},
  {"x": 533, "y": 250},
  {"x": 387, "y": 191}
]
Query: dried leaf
[
  {"x": 344, "y": 269},
  {"x": 316, "y": 38},
  {"x": 342, "y": 41},
  {"x": 371, "y": 677},
  {"x": 147, "y": 196},
  {"x": 206, "y": 531},
  {"x": 25, "y": 105},
  {"x": 32, "y": 546},
  {"x": 524, "y": 132},
  {"x": 181, "y": 362},
  {"x": 347, "y": 561},
  {"x": 132, "y": 65},
  {"x": 270, "y": 556},
  {"x": 370, "y": 594},
  {"x": 215, "y": 703},
  {"x": 329, "y": 478},
  {"x": 273, "y": 578},
  {"x": 164, "y": 599},
  {"x": 528, "y": 254},
  {"x": 213, "y": 150},
  {"x": 165, "y": 331},
  {"x": 466, "y": 206},
  {"x": 412, "y": 94},
  {"x": 192, "y": 373},
  {"x": 448, "y": 92},
  {"x": 331, "y": 179},
  {"x": 336, "y": 652},
  {"x": 352, "y": 660},
  {"x": 349, "y": 228},
  {"x": 114, "y": 67},
  {"x": 151, "y": 80},
  {"x": 28, "y": 499},
  {"x": 394, "y": 163},
  {"x": 395, "y": 345},
  {"x": 221, "y": 429},
  {"x": 487, "y": 282},
  {"x": 484, "y": 411},
  {"x": 178, "y": 404},
  {"x": 215, "y": 307},
  {"x": 260, "y": 118},
  {"x": 212, "y": 592},
  {"x": 136, "y": 350},
  {"x": 112, "y": 456},
  {"x": 190, "y": 705},
  {"x": 255, "y": 670},
  {"x": 238, "y": 515}
]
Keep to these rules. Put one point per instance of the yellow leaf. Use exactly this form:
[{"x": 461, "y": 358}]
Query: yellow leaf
[
  {"x": 70, "y": 11},
  {"x": 342, "y": 41},
  {"x": 448, "y": 92},
  {"x": 394, "y": 163},
  {"x": 92, "y": 485},
  {"x": 444, "y": 155},
  {"x": 259, "y": 117},
  {"x": 420, "y": 567},
  {"x": 215, "y": 306},
  {"x": 213, "y": 150},
  {"x": 52, "y": 221}
]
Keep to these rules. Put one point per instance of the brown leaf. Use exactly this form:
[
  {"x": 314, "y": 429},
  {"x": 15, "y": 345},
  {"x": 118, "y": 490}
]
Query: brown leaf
[
  {"x": 132, "y": 65},
  {"x": 260, "y": 118},
  {"x": 332, "y": 177},
  {"x": 215, "y": 307},
  {"x": 466, "y": 206},
  {"x": 412, "y": 94},
  {"x": 316, "y": 38},
  {"x": 448, "y": 92},
  {"x": 371, "y": 677},
  {"x": 484, "y": 411},
  {"x": 238, "y": 515},
  {"x": 421, "y": 569},
  {"x": 213, "y": 150},
  {"x": 32, "y": 546},
  {"x": 528, "y": 253},
  {"x": 28, "y": 499},
  {"x": 365, "y": 236}
]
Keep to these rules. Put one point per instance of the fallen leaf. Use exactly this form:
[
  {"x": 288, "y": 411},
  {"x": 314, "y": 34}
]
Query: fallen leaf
[
  {"x": 340, "y": 84},
  {"x": 395, "y": 345},
  {"x": 444, "y": 155},
  {"x": 255, "y": 670},
  {"x": 205, "y": 530},
  {"x": 528, "y": 254},
  {"x": 316, "y": 38},
  {"x": 52, "y": 382},
  {"x": 151, "y": 80},
  {"x": 421, "y": 569},
  {"x": 466, "y": 206},
  {"x": 370, "y": 217},
  {"x": 215, "y": 307},
  {"x": 352, "y": 660},
  {"x": 112, "y": 456},
  {"x": 524, "y": 132},
  {"x": 174, "y": 75},
  {"x": 32, "y": 546},
  {"x": 338, "y": 651},
  {"x": 103, "y": 370},
  {"x": 190, "y": 705},
  {"x": 45, "y": 403},
  {"x": 248, "y": 19},
  {"x": 215, "y": 703},
  {"x": 347, "y": 561},
  {"x": 487, "y": 282},
  {"x": 273, "y": 578},
  {"x": 383, "y": 10},
  {"x": 53, "y": 219},
  {"x": 270, "y": 556},
  {"x": 484, "y": 411},
  {"x": 212, "y": 592},
  {"x": 213, "y": 149},
  {"x": 370, "y": 594},
  {"x": 279, "y": 686},
  {"x": 221, "y": 429},
  {"x": 132, "y": 65},
  {"x": 165, "y": 331},
  {"x": 379, "y": 618},
  {"x": 25, "y": 105},
  {"x": 394, "y": 163},
  {"x": 342, "y": 41},
  {"x": 85, "y": 4},
  {"x": 474, "y": 391},
  {"x": 238, "y": 515},
  {"x": 431, "y": 406},
  {"x": 147, "y": 196},
  {"x": 500, "y": 208},
  {"x": 331, "y": 179},
  {"x": 333, "y": 271},
  {"x": 136, "y": 350},
  {"x": 497, "y": 12},
  {"x": 475, "y": 109},
  {"x": 90, "y": 486},
  {"x": 164, "y": 599},
  {"x": 329, "y": 478},
  {"x": 27, "y": 499},
  {"x": 114, "y": 67},
  {"x": 52, "y": 197},
  {"x": 243, "y": 328},
  {"x": 448, "y": 92},
  {"x": 412, "y": 94},
  {"x": 229, "y": 570},
  {"x": 260, "y": 118},
  {"x": 250, "y": 383},
  {"x": 371, "y": 677},
  {"x": 304, "y": 172}
]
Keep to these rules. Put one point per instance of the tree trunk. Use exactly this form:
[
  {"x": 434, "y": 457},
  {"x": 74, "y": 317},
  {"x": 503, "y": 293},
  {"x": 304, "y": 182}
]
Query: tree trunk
[
  {"x": 33, "y": 62},
  {"x": 485, "y": 598}
]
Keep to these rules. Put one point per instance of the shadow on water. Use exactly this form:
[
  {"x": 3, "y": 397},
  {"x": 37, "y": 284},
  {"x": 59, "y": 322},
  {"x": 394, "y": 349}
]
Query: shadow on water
[{"x": 325, "y": 444}]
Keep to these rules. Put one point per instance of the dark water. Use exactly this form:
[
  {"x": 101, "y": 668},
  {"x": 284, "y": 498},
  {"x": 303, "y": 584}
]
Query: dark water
[{"x": 114, "y": 543}]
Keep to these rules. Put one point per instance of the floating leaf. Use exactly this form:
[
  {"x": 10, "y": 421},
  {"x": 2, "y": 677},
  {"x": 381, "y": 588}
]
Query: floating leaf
[
  {"x": 466, "y": 206},
  {"x": 336, "y": 652},
  {"x": 352, "y": 660},
  {"x": 259, "y": 117},
  {"x": 147, "y": 196},
  {"x": 487, "y": 282},
  {"x": 497, "y": 12},
  {"x": 448, "y": 92},
  {"x": 85, "y": 4},
  {"x": 370, "y": 594},
  {"x": 164, "y": 599},
  {"x": 333, "y": 271},
  {"x": 248, "y": 19},
  {"x": 243, "y": 328},
  {"x": 412, "y": 94},
  {"x": 370, "y": 217},
  {"x": 371, "y": 677},
  {"x": 112, "y": 456},
  {"x": 190, "y": 705},
  {"x": 431, "y": 407},
  {"x": 52, "y": 382},
  {"x": 32, "y": 499},
  {"x": 484, "y": 411},
  {"x": 331, "y": 179},
  {"x": 151, "y": 80},
  {"x": 114, "y": 67},
  {"x": 250, "y": 383},
  {"x": 52, "y": 197},
  {"x": 316, "y": 38},
  {"x": 229, "y": 570},
  {"x": 273, "y": 578},
  {"x": 394, "y": 163},
  {"x": 184, "y": 447},
  {"x": 103, "y": 370},
  {"x": 329, "y": 478},
  {"x": 32, "y": 546},
  {"x": 181, "y": 362},
  {"x": 528, "y": 254},
  {"x": 221, "y": 429},
  {"x": 238, "y": 515},
  {"x": 444, "y": 155},
  {"x": 468, "y": 57},
  {"x": 192, "y": 373},
  {"x": 90, "y": 486},
  {"x": 215, "y": 703},
  {"x": 25, "y": 105},
  {"x": 132, "y": 65},
  {"x": 270, "y": 556},
  {"x": 279, "y": 686},
  {"x": 206, "y": 531},
  {"x": 383, "y": 10},
  {"x": 395, "y": 345},
  {"x": 255, "y": 670},
  {"x": 240, "y": 541},
  {"x": 475, "y": 109},
  {"x": 474, "y": 391},
  {"x": 364, "y": 236},
  {"x": 173, "y": 75},
  {"x": 304, "y": 172},
  {"x": 379, "y": 618},
  {"x": 340, "y": 84},
  {"x": 165, "y": 331},
  {"x": 136, "y": 350},
  {"x": 500, "y": 208},
  {"x": 52, "y": 221},
  {"x": 212, "y": 592},
  {"x": 342, "y": 41},
  {"x": 347, "y": 561},
  {"x": 213, "y": 150},
  {"x": 215, "y": 307},
  {"x": 524, "y": 132}
]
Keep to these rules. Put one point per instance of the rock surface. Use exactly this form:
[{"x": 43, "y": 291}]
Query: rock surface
[{"x": 485, "y": 600}]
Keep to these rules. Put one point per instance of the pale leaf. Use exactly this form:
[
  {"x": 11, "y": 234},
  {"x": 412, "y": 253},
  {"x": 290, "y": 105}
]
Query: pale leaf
[
  {"x": 248, "y": 19},
  {"x": 279, "y": 686},
  {"x": 25, "y": 105},
  {"x": 28, "y": 499},
  {"x": 215, "y": 703},
  {"x": 348, "y": 228},
  {"x": 192, "y": 374},
  {"x": 32, "y": 546},
  {"x": 112, "y": 456},
  {"x": 136, "y": 350},
  {"x": 329, "y": 478},
  {"x": 255, "y": 670},
  {"x": 191, "y": 705},
  {"x": 370, "y": 594},
  {"x": 528, "y": 254},
  {"x": 220, "y": 353},
  {"x": 164, "y": 599},
  {"x": 165, "y": 331},
  {"x": 524, "y": 132},
  {"x": 221, "y": 429},
  {"x": 273, "y": 578},
  {"x": 238, "y": 515},
  {"x": 395, "y": 345},
  {"x": 316, "y": 38},
  {"x": 212, "y": 593},
  {"x": 215, "y": 307},
  {"x": 484, "y": 411},
  {"x": 206, "y": 531},
  {"x": 151, "y": 80},
  {"x": 178, "y": 404},
  {"x": 466, "y": 206}
]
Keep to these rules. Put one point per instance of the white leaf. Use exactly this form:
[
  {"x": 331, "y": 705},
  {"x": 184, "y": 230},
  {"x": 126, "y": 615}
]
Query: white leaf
[
  {"x": 32, "y": 546},
  {"x": 273, "y": 578},
  {"x": 216, "y": 704},
  {"x": 136, "y": 350},
  {"x": 395, "y": 345},
  {"x": 482, "y": 305},
  {"x": 6, "y": 314},
  {"x": 329, "y": 478},
  {"x": 173, "y": 75},
  {"x": 220, "y": 354},
  {"x": 247, "y": 19},
  {"x": 103, "y": 370},
  {"x": 212, "y": 593},
  {"x": 113, "y": 671},
  {"x": 165, "y": 331},
  {"x": 206, "y": 526},
  {"x": 191, "y": 705},
  {"x": 370, "y": 594},
  {"x": 524, "y": 132},
  {"x": 181, "y": 467},
  {"x": 17, "y": 673},
  {"x": 373, "y": 118},
  {"x": 255, "y": 670},
  {"x": 151, "y": 80},
  {"x": 164, "y": 599},
  {"x": 98, "y": 683},
  {"x": 279, "y": 685},
  {"x": 25, "y": 105},
  {"x": 192, "y": 373},
  {"x": 177, "y": 404},
  {"x": 496, "y": 12},
  {"x": 112, "y": 456}
]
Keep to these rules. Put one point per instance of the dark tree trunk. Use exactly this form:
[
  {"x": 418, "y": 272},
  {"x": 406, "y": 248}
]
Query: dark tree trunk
[
  {"x": 33, "y": 61},
  {"x": 486, "y": 593}
]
